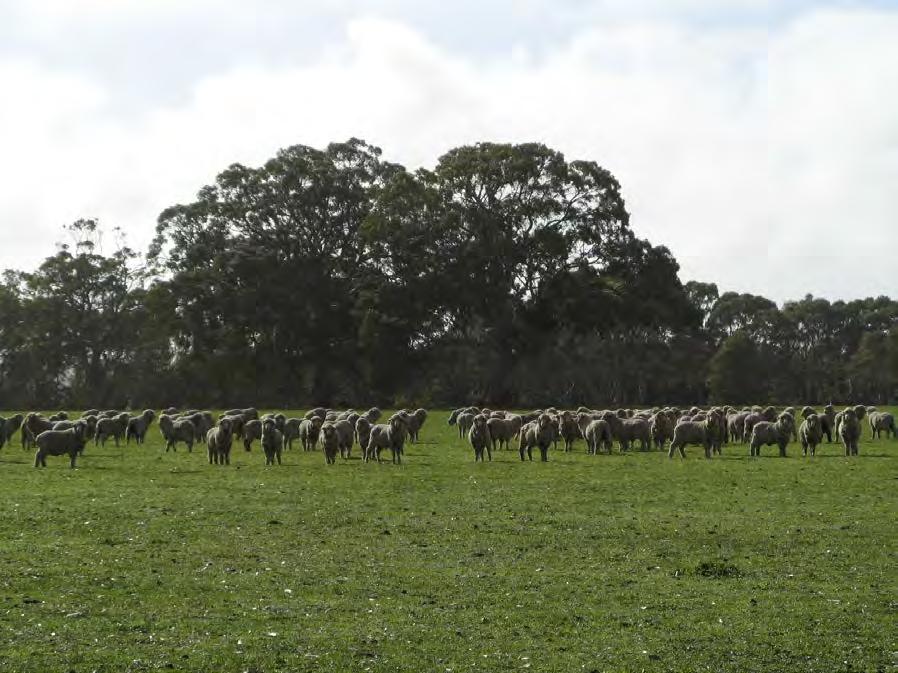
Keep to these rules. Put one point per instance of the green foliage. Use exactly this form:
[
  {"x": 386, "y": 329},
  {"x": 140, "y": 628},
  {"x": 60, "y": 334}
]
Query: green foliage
[
  {"x": 142, "y": 560},
  {"x": 506, "y": 275},
  {"x": 737, "y": 374}
]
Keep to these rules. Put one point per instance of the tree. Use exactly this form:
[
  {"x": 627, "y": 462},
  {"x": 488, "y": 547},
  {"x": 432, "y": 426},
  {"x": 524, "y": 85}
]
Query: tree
[{"x": 736, "y": 375}]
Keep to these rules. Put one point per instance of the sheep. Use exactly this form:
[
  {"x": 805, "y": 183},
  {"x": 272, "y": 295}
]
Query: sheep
[
  {"x": 308, "y": 432},
  {"x": 166, "y": 425},
  {"x": 237, "y": 422},
  {"x": 345, "y": 438},
  {"x": 810, "y": 434},
  {"x": 182, "y": 430},
  {"x": 218, "y": 442},
  {"x": 272, "y": 441},
  {"x": 860, "y": 411},
  {"x": 33, "y": 425},
  {"x": 693, "y": 433},
  {"x": 362, "y": 432},
  {"x": 791, "y": 414},
  {"x": 202, "y": 422},
  {"x": 331, "y": 416},
  {"x": 249, "y": 414},
  {"x": 12, "y": 425},
  {"x": 568, "y": 430},
  {"x": 138, "y": 426},
  {"x": 514, "y": 422},
  {"x": 373, "y": 415},
  {"x": 170, "y": 411},
  {"x": 598, "y": 436},
  {"x": 540, "y": 433},
  {"x": 777, "y": 433},
  {"x": 252, "y": 430},
  {"x": 736, "y": 426},
  {"x": 807, "y": 411},
  {"x": 632, "y": 429},
  {"x": 329, "y": 438},
  {"x": 317, "y": 412},
  {"x": 882, "y": 421},
  {"x": 108, "y": 413},
  {"x": 351, "y": 418},
  {"x": 749, "y": 423},
  {"x": 849, "y": 431},
  {"x": 661, "y": 428},
  {"x": 584, "y": 418},
  {"x": 453, "y": 417},
  {"x": 390, "y": 435},
  {"x": 828, "y": 422},
  {"x": 91, "y": 422},
  {"x": 480, "y": 438},
  {"x": 291, "y": 431},
  {"x": 58, "y": 416},
  {"x": 280, "y": 422},
  {"x": 531, "y": 416},
  {"x": 110, "y": 427},
  {"x": 2, "y": 431},
  {"x": 415, "y": 423},
  {"x": 60, "y": 442},
  {"x": 465, "y": 421},
  {"x": 500, "y": 431}
]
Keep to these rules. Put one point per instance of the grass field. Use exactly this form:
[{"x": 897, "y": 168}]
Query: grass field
[{"x": 142, "y": 560}]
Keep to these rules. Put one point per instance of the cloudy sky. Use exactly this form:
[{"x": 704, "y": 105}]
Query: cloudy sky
[{"x": 758, "y": 139}]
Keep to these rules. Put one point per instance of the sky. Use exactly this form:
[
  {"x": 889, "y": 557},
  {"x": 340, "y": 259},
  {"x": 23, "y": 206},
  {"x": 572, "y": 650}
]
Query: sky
[{"x": 757, "y": 139}]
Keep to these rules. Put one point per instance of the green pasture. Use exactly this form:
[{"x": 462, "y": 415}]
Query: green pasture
[{"x": 143, "y": 560}]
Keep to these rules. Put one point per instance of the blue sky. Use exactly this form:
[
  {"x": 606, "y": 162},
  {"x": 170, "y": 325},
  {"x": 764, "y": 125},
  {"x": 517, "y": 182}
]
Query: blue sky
[{"x": 749, "y": 135}]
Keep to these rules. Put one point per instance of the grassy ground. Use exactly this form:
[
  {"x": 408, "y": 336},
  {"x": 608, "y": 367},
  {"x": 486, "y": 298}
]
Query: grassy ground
[{"x": 142, "y": 560}]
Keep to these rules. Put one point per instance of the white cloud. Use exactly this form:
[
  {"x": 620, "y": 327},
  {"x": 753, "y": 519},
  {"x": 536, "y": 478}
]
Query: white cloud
[{"x": 764, "y": 159}]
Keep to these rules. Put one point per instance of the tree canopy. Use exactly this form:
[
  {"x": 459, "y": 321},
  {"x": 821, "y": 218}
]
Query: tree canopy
[{"x": 505, "y": 275}]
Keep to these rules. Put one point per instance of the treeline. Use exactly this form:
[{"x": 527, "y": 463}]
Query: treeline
[{"x": 506, "y": 276}]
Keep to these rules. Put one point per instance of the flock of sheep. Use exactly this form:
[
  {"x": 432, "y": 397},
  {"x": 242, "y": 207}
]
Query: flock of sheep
[
  {"x": 669, "y": 428},
  {"x": 336, "y": 432}
]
